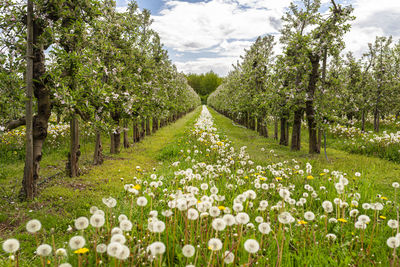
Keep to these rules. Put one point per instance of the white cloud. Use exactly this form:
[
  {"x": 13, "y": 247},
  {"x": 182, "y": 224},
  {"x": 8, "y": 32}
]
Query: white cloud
[
  {"x": 373, "y": 18},
  {"x": 226, "y": 27}
]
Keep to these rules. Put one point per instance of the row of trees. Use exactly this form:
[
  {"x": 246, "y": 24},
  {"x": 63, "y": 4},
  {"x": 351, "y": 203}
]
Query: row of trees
[
  {"x": 89, "y": 63},
  {"x": 310, "y": 79},
  {"x": 204, "y": 84}
]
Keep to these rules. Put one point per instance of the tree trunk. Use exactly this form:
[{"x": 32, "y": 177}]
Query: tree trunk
[
  {"x": 310, "y": 112},
  {"x": 376, "y": 120},
  {"x": 74, "y": 152},
  {"x": 296, "y": 131},
  {"x": 98, "y": 150},
  {"x": 283, "y": 139},
  {"x": 148, "y": 131},
  {"x": 28, "y": 190},
  {"x": 319, "y": 139},
  {"x": 276, "y": 128},
  {"x": 265, "y": 128},
  {"x": 135, "y": 129},
  {"x": 143, "y": 128},
  {"x": 363, "y": 121},
  {"x": 126, "y": 141},
  {"x": 154, "y": 124},
  {"x": 115, "y": 141}
]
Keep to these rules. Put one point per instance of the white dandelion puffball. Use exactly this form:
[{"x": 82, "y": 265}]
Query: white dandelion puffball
[
  {"x": 61, "y": 252},
  {"x": 393, "y": 224},
  {"x": 192, "y": 214},
  {"x": 218, "y": 224},
  {"x": 393, "y": 242},
  {"x": 188, "y": 251},
  {"x": 242, "y": 218},
  {"x": 118, "y": 238},
  {"x": 229, "y": 257},
  {"x": 81, "y": 223},
  {"x": 364, "y": 218},
  {"x": 158, "y": 227},
  {"x": 360, "y": 225},
  {"x": 309, "y": 215},
  {"x": 77, "y": 242},
  {"x": 66, "y": 264},
  {"x": 396, "y": 185},
  {"x": 33, "y": 226},
  {"x": 214, "y": 244},
  {"x": 110, "y": 202},
  {"x": 284, "y": 217},
  {"x": 11, "y": 245},
  {"x": 125, "y": 225},
  {"x": 141, "y": 201},
  {"x": 251, "y": 245},
  {"x": 97, "y": 220},
  {"x": 93, "y": 209},
  {"x": 122, "y": 217},
  {"x": 327, "y": 206},
  {"x": 116, "y": 230},
  {"x": 229, "y": 219},
  {"x": 123, "y": 253},
  {"x": 113, "y": 249},
  {"x": 214, "y": 211},
  {"x": 331, "y": 237},
  {"x": 157, "y": 248},
  {"x": 101, "y": 248},
  {"x": 264, "y": 228},
  {"x": 43, "y": 250}
]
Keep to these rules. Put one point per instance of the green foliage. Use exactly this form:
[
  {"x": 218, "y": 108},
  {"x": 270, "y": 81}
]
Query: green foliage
[{"x": 204, "y": 84}]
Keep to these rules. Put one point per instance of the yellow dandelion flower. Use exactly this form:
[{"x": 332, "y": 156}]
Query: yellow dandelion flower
[
  {"x": 221, "y": 207},
  {"x": 302, "y": 222},
  {"x": 384, "y": 198},
  {"x": 322, "y": 173},
  {"x": 137, "y": 187},
  {"x": 263, "y": 179},
  {"x": 246, "y": 177},
  {"x": 342, "y": 220},
  {"x": 81, "y": 251},
  {"x": 382, "y": 217},
  {"x": 278, "y": 178},
  {"x": 310, "y": 177}
]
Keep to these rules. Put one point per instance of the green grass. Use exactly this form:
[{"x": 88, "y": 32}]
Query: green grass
[
  {"x": 377, "y": 174},
  {"x": 63, "y": 199}
]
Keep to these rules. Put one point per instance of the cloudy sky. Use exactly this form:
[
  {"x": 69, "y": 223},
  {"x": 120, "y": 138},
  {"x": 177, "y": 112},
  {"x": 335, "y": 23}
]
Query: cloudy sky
[{"x": 212, "y": 34}]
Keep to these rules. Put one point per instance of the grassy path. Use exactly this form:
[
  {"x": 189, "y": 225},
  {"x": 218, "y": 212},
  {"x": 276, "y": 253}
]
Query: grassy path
[
  {"x": 377, "y": 174},
  {"x": 64, "y": 198}
]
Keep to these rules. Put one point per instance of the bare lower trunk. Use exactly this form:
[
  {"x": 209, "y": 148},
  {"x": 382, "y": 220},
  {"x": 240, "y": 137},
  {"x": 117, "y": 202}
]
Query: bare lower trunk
[
  {"x": 98, "y": 150},
  {"x": 148, "y": 131},
  {"x": 363, "y": 121},
  {"x": 276, "y": 128},
  {"x": 115, "y": 141},
  {"x": 310, "y": 112},
  {"x": 319, "y": 139},
  {"x": 135, "y": 130},
  {"x": 74, "y": 152},
  {"x": 296, "y": 131},
  {"x": 154, "y": 124},
  {"x": 283, "y": 138},
  {"x": 143, "y": 129},
  {"x": 376, "y": 120},
  {"x": 126, "y": 141}
]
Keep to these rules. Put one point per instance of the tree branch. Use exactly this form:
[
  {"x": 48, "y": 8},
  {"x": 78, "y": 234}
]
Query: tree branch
[{"x": 15, "y": 123}]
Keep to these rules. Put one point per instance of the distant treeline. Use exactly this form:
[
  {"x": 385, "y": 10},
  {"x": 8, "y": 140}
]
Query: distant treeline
[{"x": 204, "y": 84}]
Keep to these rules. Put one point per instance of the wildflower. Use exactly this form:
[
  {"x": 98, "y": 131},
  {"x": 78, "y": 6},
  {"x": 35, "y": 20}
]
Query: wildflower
[
  {"x": 396, "y": 185},
  {"x": 101, "y": 248},
  {"x": 43, "y": 250},
  {"x": 119, "y": 238},
  {"x": 214, "y": 211},
  {"x": 221, "y": 207},
  {"x": 251, "y": 246},
  {"x": 393, "y": 224},
  {"x": 11, "y": 245},
  {"x": 228, "y": 257},
  {"x": 302, "y": 222},
  {"x": 159, "y": 227},
  {"x": 81, "y": 251},
  {"x": 97, "y": 220},
  {"x": 61, "y": 252},
  {"x": 77, "y": 242},
  {"x": 310, "y": 177},
  {"x": 382, "y": 217},
  {"x": 214, "y": 244},
  {"x": 125, "y": 225},
  {"x": 113, "y": 249},
  {"x": 110, "y": 202},
  {"x": 188, "y": 251},
  {"x": 360, "y": 225},
  {"x": 342, "y": 220},
  {"x": 285, "y": 217},
  {"x": 331, "y": 237},
  {"x": 123, "y": 253},
  {"x": 264, "y": 228},
  {"x": 33, "y": 226},
  {"x": 393, "y": 242},
  {"x": 156, "y": 248},
  {"x": 218, "y": 224},
  {"x": 81, "y": 223},
  {"x": 384, "y": 198},
  {"x": 309, "y": 216},
  {"x": 364, "y": 218},
  {"x": 229, "y": 219},
  {"x": 192, "y": 214},
  {"x": 141, "y": 201},
  {"x": 327, "y": 206},
  {"x": 242, "y": 218}
]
